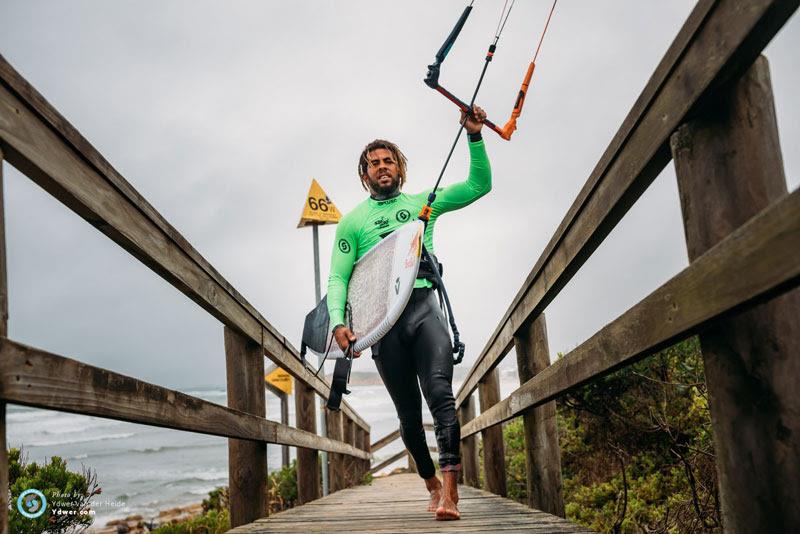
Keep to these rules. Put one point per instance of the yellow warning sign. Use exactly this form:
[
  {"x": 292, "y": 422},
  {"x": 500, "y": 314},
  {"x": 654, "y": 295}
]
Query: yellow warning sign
[
  {"x": 318, "y": 208},
  {"x": 280, "y": 379}
]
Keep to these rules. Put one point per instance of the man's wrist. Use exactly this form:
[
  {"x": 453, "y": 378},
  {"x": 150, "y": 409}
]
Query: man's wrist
[
  {"x": 337, "y": 327},
  {"x": 474, "y": 137}
]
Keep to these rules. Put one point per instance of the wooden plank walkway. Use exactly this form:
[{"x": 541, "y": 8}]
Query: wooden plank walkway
[{"x": 398, "y": 503}]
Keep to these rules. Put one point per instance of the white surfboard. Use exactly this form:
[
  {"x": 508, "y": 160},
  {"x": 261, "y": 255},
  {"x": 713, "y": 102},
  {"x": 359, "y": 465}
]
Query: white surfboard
[{"x": 381, "y": 284}]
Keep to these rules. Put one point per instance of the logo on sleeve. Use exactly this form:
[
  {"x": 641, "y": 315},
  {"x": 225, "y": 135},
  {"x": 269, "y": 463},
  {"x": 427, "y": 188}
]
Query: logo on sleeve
[
  {"x": 402, "y": 216},
  {"x": 344, "y": 246}
]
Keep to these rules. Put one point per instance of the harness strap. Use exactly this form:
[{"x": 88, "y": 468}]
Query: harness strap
[{"x": 458, "y": 346}]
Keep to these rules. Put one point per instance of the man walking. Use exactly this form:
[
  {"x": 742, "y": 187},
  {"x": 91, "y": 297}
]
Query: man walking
[{"x": 416, "y": 353}]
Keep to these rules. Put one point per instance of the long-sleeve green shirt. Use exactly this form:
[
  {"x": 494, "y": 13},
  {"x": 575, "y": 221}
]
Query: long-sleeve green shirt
[{"x": 372, "y": 220}]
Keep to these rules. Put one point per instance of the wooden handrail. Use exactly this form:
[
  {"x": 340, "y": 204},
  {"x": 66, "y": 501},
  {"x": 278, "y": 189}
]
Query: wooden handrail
[
  {"x": 37, "y": 378},
  {"x": 765, "y": 248},
  {"x": 48, "y": 149},
  {"x": 687, "y": 76},
  {"x": 393, "y": 435}
]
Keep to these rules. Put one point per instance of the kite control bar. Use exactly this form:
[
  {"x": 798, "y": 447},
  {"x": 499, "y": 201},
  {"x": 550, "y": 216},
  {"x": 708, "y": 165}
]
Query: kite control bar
[{"x": 432, "y": 78}]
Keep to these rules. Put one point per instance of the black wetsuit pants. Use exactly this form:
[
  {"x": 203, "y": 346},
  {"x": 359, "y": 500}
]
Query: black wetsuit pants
[{"x": 417, "y": 353}]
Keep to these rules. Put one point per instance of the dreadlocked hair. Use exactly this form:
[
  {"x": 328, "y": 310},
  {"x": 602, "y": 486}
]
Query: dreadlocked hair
[{"x": 397, "y": 154}]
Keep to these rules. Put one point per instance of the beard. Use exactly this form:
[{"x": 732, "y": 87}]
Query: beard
[{"x": 382, "y": 192}]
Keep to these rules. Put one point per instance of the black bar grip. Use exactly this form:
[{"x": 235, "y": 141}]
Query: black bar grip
[{"x": 448, "y": 43}]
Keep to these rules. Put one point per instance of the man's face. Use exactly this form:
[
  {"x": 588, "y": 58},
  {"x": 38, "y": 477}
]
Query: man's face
[{"x": 383, "y": 177}]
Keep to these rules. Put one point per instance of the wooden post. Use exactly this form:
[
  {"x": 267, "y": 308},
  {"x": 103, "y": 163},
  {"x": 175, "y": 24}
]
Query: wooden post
[
  {"x": 368, "y": 448},
  {"x": 729, "y": 167},
  {"x": 360, "y": 444},
  {"x": 412, "y": 465},
  {"x": 542, "y": 453},
  {"x": 469, "y": 445},
  {"x": 3, "y": 333},
  {"x": 308, "y": 482},
  {"x": 494, "y": 461},
  {"x": 285, "y": 420},
  {"x": 333, "y": 422},
  {"x": 247, "y": 460},
  {"x": 349, "y": 464}
]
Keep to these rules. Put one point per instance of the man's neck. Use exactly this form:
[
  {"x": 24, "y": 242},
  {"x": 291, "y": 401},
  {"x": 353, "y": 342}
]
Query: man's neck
[{"x": 384, "y": 196}]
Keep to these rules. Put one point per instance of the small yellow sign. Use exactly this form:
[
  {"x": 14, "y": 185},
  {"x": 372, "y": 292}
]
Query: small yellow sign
[
  {"x": 318, "y": 208},
  {"x": 280, "y": 379}
]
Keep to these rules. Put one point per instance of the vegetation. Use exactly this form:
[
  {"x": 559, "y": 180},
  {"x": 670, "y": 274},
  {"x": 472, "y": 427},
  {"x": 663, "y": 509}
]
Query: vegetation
[
  {"x": 282, "y": 491},
  {"x": 636, "y": 449},
  {"x": 68, "y": 495},
  {"x": 282, "y": 488},
  {"x": 211, "y": 522}
]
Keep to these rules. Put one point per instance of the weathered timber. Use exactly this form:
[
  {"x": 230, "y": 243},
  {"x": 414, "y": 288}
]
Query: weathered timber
[
  {"x": 412, "y": 465},
  {"x": 729, "y": 167},
  {"x": 247, "y": 460},
  {"x": 719, "y": 40},
  {"x": 712, "y": 286},
  {"x": 3, "y": 333},
  {"x": 542, "y": 452},
  {"x": 398, "y": 503},
  {"x": 360, "y": 444},
  {"x": 45, "y": 147},
  {"x": 333, "y": 424},
  {"x": 389, "y": 461},
  {"x": 33, "y": 377},
  {"x": 3, "y": 271},
  {"x": 348, "y": 436},
  {"x": 308, "y": 473},
  {"x": 393, "y": 435},
  {"x": 494, "y": 457},
  {"x": 285, "y": 421},
  {"x": 284, "y": 400},
  {"x": 469, "y": 445}
]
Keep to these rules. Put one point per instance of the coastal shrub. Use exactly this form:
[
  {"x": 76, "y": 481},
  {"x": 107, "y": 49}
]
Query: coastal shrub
[
  {"x": 282, "y": 488},
  {"x": 636, "y": 449},
  {"x": 211, "y": 522},
  {"x": 217, "y": 500},
  {"x": 68, "y": 495}
]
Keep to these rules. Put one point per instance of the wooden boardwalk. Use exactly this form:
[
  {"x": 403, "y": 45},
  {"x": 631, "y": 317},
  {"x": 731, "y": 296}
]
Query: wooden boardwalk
[{"x": 398, "y": 503}]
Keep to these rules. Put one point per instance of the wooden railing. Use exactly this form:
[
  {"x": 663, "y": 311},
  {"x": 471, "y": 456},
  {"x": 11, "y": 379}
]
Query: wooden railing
[
  {"x": 39, "y": 142},
  {"x": 709, "y": 107},
  {"x": 390, "y": 438}
]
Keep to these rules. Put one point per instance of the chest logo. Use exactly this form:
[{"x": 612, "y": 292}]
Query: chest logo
[
  {"x": 344, "y": 246},
  {"x": 402, "y": 216},
  {"x": 383, "y": 222}
]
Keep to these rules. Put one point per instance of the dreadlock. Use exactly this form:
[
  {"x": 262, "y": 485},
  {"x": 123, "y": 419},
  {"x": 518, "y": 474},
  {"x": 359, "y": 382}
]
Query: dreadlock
[{"x": 399, "y": 157}]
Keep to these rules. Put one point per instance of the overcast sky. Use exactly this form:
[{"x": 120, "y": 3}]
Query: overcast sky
[{"x": 221, "y": 113}]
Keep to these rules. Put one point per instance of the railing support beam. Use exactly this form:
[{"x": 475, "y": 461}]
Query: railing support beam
[
  {"x": 494, "y": 461},
  {"x": 3, "y": 333},
  {"x": 308, "y": 483},
  {"x": 333, "y": 422},
  {"x": 469, "y": 445},
  {"x": 542, "y": 452},
  {"x": 247, "y": 460},
  {"x": 729, "y": 167}
]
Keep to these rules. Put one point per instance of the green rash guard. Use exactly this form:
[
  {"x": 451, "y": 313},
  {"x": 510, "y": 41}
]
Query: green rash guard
[{"x": 372, "y": 220}]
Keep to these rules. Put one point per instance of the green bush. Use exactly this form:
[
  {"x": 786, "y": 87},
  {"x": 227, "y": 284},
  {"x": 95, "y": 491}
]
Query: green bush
[
  {"x": 68, "y": 495},
  {"x": 211, "y": 522},
  {"x": 636, "y": 449},
  {"x": 282, "y": 488}
]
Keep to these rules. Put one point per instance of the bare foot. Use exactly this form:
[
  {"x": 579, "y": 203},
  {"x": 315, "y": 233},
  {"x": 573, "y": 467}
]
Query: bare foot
[
  {"x": 436, "y": 490},
  {"x": 448, "y": 506}
]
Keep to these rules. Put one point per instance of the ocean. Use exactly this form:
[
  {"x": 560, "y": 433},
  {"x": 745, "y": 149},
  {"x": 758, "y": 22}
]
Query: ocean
[{"x": 143, "y": 469}]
